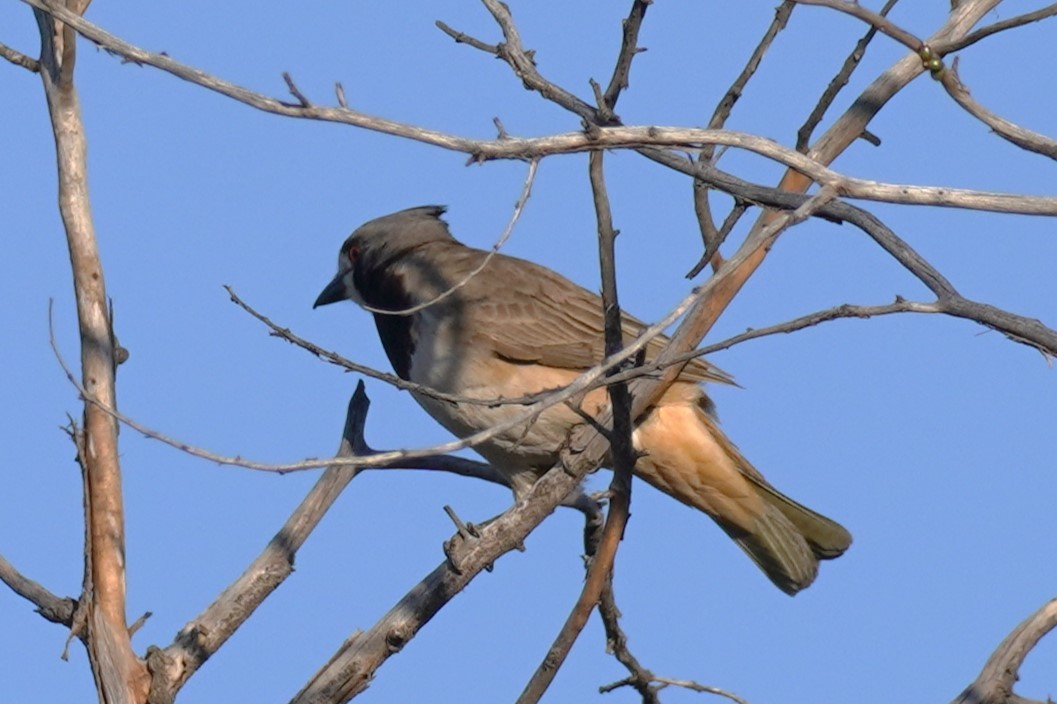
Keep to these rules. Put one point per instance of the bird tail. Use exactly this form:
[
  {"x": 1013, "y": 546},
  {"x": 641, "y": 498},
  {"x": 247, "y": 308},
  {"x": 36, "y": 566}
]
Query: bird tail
[
  {"x": 788, "y": 540},
  {"x": 784, "y": 538}
]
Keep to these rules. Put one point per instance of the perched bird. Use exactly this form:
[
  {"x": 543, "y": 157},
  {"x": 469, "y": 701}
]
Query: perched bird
[{"x": 515, "y": 328}]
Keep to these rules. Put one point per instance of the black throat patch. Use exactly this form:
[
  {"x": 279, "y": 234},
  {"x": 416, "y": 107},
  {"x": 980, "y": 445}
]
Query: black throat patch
[{"x": 384, "y": 289}]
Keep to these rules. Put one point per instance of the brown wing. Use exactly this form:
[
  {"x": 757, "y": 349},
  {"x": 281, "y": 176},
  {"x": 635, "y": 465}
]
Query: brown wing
[{"x": 537, "y": 315}]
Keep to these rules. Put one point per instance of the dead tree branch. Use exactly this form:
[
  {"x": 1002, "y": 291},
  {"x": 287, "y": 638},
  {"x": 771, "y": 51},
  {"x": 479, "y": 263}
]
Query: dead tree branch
[
  {"x": 604, "y": 136},
  {"x": 119, "y": 674},
  {"x": 19, "y": 59},
  {"x": 877, "y": 20},
  {"x": 172, "y": 666},
  {"x": 629, "y": 48},
  {"x": 803, "y": 135},
  {"x": 54, "y": 608},
  {"x": 996, "y": 680},
  {"x": 1009, "y": 131},
  {"x": 622, "y": 455},
  {"x": 1002, "y": 25},
  {"x": 711, "y": 238}
]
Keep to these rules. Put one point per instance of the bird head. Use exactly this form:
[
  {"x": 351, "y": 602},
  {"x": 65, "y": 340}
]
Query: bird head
[{"x": 378, "y": 244}]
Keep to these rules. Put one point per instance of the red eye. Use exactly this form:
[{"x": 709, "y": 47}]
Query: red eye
[{"x": 353, "y": 252}]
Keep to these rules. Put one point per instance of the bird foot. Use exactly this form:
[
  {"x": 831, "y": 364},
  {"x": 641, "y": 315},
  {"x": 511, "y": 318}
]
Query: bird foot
[{"x": 465, "y": 534}]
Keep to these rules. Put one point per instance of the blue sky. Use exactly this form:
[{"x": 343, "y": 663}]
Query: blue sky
[{"x": 930, "y": 438}]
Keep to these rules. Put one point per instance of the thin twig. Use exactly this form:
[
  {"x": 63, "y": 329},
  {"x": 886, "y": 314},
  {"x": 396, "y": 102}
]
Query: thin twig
[
  {"x": 629, "y": 48},
  {"x": 734, "y": 92},
  {"x": 714, "y": 241},
  {"x": 710, "y": 236},
  {"x": 295, "y": 91},
  {"x": 463, "y": 38},
  {"x": 1002, "y": 25},
  {"x": 587, "y": 380},
  {"x": 519, "y": 206},
  {"x": 803, "y": 135},
  {"x": 697, "y": 687}
]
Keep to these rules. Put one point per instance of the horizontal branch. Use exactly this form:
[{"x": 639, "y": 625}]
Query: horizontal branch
[{"x": 618, "y": 137}]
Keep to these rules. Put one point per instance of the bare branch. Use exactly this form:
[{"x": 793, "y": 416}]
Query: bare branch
[
  {"x": 295, "y": 91},
  {"x": 713, "y": 241},
  {"x": 1020, "y": 136},
  {"x": 611, "y": 137},
  {"x": 622, "y": 455},
  {"x": 1012, "y": 22},
  {"x": 524, "y": 66},
  {"x": 119, "y": 674},
  {"x": 463, "y": 38},
  {"x": 208, "y": 631},
  {"x": 696, "y": 687},
  {"x": 726, "y": 103},
  {"x": 19, "y": 59},
  {"x": 803, "y": 135},
  {"x": 840, "y": 312},
  {"x": 629, "y": 48},
  {"x": 996, "y": 680},
  {"x": 54, "y": 608},
  {"x": 710, "y": 237},
  {"x": 617, "y": 643},
  {"x": 353, "y": 666},
  {"x": 853, "y": 122},
  {"x": 876, "y": 20}
]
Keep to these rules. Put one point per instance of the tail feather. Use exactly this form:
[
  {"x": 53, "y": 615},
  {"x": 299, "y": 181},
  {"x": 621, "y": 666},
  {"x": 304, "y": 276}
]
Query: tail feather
[
  {"x": 827, "y": 538},
  {"x": 779, "y": 550},
  {"x": 695, "y": 463}
]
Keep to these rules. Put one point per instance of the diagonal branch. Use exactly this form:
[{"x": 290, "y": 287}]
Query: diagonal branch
[
  {"x": 19, "y": 59},
  {"x": 1009, "y": 131},
  {"x": 877, "y": 20},
  {"x": 803, "y": 135},
  {"x": 1002, "y": 25},
  {"x": 172, "y": 666},
  {"x": 629, "y": 48},
  {"x": 710, "y": 236},
  {"x": 54, "y": 608}
]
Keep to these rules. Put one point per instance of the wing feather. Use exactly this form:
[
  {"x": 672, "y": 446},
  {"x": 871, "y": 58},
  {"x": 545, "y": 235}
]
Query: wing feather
[{"x": 541, "y": 317}]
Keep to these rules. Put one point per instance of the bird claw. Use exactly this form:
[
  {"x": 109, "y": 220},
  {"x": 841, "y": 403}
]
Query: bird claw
[{"x": 465, "y": 533}]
